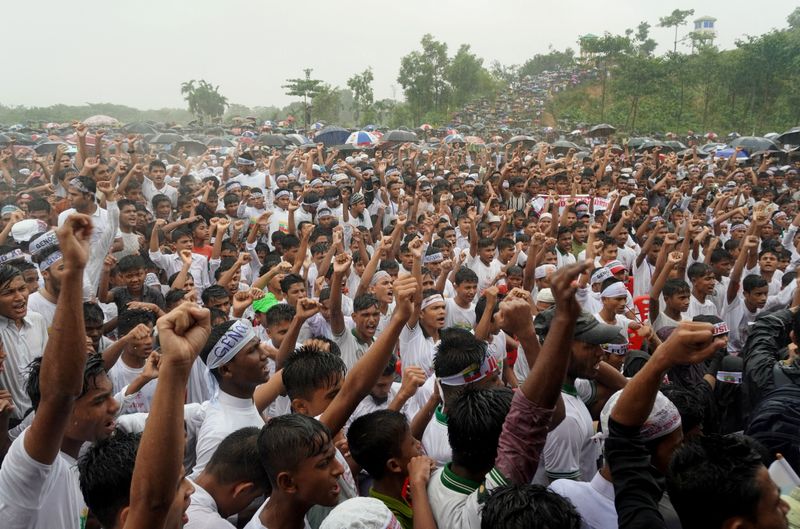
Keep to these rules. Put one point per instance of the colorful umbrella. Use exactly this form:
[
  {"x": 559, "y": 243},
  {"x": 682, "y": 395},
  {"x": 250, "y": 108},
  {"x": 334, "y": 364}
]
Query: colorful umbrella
[
  {"x": 454, "y": 138},
  {"x": 361, "y": 139}
]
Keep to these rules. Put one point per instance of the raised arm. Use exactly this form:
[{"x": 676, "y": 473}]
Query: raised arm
[
  {"x": 341, "y": 267},
  {"x": 64, "y": 358}
]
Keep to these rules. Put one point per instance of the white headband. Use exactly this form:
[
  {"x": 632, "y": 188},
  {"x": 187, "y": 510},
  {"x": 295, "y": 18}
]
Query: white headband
[
  {"x": 233, "y": 341},
  {"x": 432, "y": 258},
  {"x": 615, "y": 290},
  {"x": 619, "y": 349},
  {"x": 542, "y": 271},
  {"x": 600, "y": 275},
  {"x": 43, "y": 242},
  {"x": 380, "y": 274},
  {"x": 244, "y": 161},
  {"x": 50, "y": 260},
  {"x": 430, "y": 300},
  {"x": 10, "y": 256}
]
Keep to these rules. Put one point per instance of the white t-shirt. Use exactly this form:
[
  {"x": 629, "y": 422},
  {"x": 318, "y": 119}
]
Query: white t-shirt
[
  {"x": 416, "y": 349},
  {"x": 738, "y": 318},
  {"x": 435, "y": 440},
  {"x": 486, "y": 273},
  {"x": 38, "y": 496},
  {"x": 149, "y": 190},
  {"x": 697, "y": 308},
  {"x": 38, "y": 303},
  {"x": 202, "y": 511},
  {"x": 351, "y": 347},
  {"x": 457, "y": 316},
  {"x": 121, "y": 374},
  {"x": 642, "y": 276},
  {"x": 594, "y": 500},
  {"x": 22, "y": 345}
]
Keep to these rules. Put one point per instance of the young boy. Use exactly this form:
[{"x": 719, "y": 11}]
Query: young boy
[
  {"x": 137, "y": 351},
  {"x": 482, "y": 260},
  {"x": 703, "y": 281},
  {"x": 676, "y": 296},
  {"x": 182, "y": 240},
  {"x": 740, "y": 311},
  {"x": 131, "y": 271},
  {"x": 460, "y": 310}
]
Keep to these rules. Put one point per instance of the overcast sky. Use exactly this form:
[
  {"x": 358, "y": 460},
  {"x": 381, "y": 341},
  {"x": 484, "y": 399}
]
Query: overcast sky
[{"x": 137, "y": 53}]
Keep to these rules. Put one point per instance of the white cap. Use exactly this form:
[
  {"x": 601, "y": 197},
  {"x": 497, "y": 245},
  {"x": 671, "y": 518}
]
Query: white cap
[{"x": 360, "y": 513}]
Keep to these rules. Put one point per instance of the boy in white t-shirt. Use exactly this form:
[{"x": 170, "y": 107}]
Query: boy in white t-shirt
[{"x": 460, "y": 310}]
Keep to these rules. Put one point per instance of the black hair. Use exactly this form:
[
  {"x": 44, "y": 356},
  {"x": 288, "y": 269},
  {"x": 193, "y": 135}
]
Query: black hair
[
  {"x": 486, "y": 242},
  {"x": 287, "y": 440},
  {"x": 375, "y": 438},
  {"x": 174, "y": 296},
  {"x": 94, "y": 368},
  {"x": 689, "y": 404},
  {"x": 88, "y": 183},
  {"x": 308, "y": 369},
  {"x": 564, "y": 229},
  {"x": 181, "y": 232},
  {"x": 128, "y": 319},
  {"x": 675, "y": 286},
  {"x": 217, "y": 314},
  {"x": 720, "y": 254},
  {"x": 389, "y": 265},
  {"x": 236, "y": 459},
  {"x": 528, "y": 507},
  {"x": 363, "y": 302},
  {"x": 698, "y": 270},
  {"x": 480, "y": 307},
  {"x": 214, "y": 292},
  {"x": 290, "y": 241},
  {"x": 7, "y": 274},
  {"x": 289, "y": 280},
  {"x": 505, "y": 243},
  {"x": 157, "y": 163},
  {"x": 106, "y": 472},
  {"x": 465, "y": 275},
  {"x": 713, "y": 478},
  {"x": 474, "y": 423},
  {"x": 752, "y": 281},
  {"x": 92, "y": 312},
  {"x": 279, "y": 313},
  {"x": 130, "y": 263},
  {"x": 457, "y": 349},
  {"x": 39, "y": 204}
]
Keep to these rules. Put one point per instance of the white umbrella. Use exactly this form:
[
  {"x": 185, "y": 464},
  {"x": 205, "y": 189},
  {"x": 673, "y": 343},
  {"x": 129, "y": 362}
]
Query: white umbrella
[{"x": 100, "y": 120}]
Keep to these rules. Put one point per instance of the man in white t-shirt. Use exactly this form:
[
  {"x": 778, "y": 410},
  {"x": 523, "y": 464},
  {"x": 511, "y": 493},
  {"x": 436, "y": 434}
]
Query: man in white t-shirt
[{"x": 460, "y": 309}]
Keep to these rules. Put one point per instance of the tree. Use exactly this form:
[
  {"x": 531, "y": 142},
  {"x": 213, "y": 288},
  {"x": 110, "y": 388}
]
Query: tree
[
  {"x": 327, "y": 104},
  {"x": 422, "y": 76},
  {"x": 676, "y": 19},
  {"x": 467, "y": 76},
  {"x": 306, "y": 88},
  {"x": 361, "y": 85},
  {"x": 606, "y": 50},
  {"x": 794, "y": 18},
  {"x": 204, "y": 99},
  {"x": 552, "y": 60}
]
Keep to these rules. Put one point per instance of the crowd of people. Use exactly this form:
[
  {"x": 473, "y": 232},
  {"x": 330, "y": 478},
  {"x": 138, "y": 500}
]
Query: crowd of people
[{"x": 407, "y": 339}]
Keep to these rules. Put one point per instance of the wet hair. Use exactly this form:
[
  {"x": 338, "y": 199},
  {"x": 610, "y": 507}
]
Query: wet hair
[
  {"x": 214, "y": 292},
  {"x": 528, "y": 507},
  {"x": 675, "y": 286},
  {"x": 92, "y": 313},
  {"x": 217, "y": 315},
  {"x": 289, "y": 280},
  {"x": 174, "y": 296},
  {"x": 375, "y": 438},
  {"x": 157, "y": 163},
  {"x": 290, "y": 241},
  {"x": 480, "y": 307},
  {"x": 364, "y": 302},
  {"x": 128, "y": 319},
  {"x": 713, "y": 478},
  {"x": 279, "y": 313},
  {"x": 689, "y": 405},
  {"x": 486, "y": 242},
  {"x": 7, "y": 274},
  {"x": 698, "y": 270},
  {"x": 180, "y": 233},
  {"x": 308, "y": 369},
  {"x": 457, "y": 350},
  {"x": 130, "y": 263},
  {"x": 753, "y": 281},
  {"x": 474, "y": 423},
  {"x": 389, "y": 265},
  {"x": 39, "y": 204},
  {"x": 465, "y": 275},
  {"x": 106, "y": 472},
  {"x": 236, "y": 459},
  {"x": 287, "y": 440},
  {"x": 505, "y": 243},
  {"x": 94, "y": 368},
  {"x": 720, "y": 254}
]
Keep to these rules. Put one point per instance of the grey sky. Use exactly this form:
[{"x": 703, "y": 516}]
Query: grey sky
[{"x": 138, "y": 53}]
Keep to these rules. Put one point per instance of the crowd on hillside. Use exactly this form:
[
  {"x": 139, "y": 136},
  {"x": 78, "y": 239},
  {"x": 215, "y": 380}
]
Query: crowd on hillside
[{"x": 435, "y": 338}]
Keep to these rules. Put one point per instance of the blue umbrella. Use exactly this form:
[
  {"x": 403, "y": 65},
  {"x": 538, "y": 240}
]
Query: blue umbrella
[
  {"x": 332, "y": 135},
  {"x": 361, "y": 138},
  {"x": 454, "y": 138},
  {"x": 727, "y": 153}
]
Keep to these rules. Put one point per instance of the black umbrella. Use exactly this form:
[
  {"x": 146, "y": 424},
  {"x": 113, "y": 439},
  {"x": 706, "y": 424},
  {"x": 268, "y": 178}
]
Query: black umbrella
[
  {"x": 562, "y": 146},
  {"x": 272, "y": 140},
  {"x": 191, "y": 147},
  {"x": 526, "y": 141},
  {"x": 649, "y": 145},
  {"x": 601, "y": 130},
  {"x": 675, "y": 145},
  {"x": 400, "y": 136},
  {"x": 138, "y": 128},
  {"x": 48, "y": 147},
  {"x": 332, "y": 135},
  {"x": 754, "y": 144},
  {"x": 790, "y": 137},
  {"x": 20, "y": 138},
  {"x": 220, "y": 142},
  {"x": 166, "y": 138},
  {"x": 4, "y": 140},
  {"x": 215, "y": 131},
  {"x": 636, "y": 142}
]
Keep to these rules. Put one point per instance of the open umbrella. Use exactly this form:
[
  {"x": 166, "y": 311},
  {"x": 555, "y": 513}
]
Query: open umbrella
[
  {"x": 754, "y": 144},
  {"x": 101, "y": 120},
  {"x": 454, "y": 139},
  {"x": 563, "y": 146},
  {"x": 474, "y": 140},
  {"x": 298, "y": 139},
  {"x": 601, "y": 130},
  {"x": 166, "y": 138},
  {"x": 649, "y": 145},
  {"x": 332, "y": 135},
  {"x": 675, "y": 145},
  {"x": 727, "y": 153},
  {"x": 349, "y": 147},
  {"x": 425, "y": 127},
  {"x": 138, "y": 128},
  {"x": 20, "y": 138},
  {"x": 192, "y": 147},
  {"x": 361, "y": 138},
  {"x": 526, "y": 141},
  {"x": 272, "y": 140},
  {"x": 220, "y": 142},
  {"x": 215, "y": 131},
  {"x": 4, "y": 140},
  {"x": 790, "y": 137},
  {"x": 48, "y": 147},
  {"x": 400, "y": 136},
  {"x": 637, "y": 141}
]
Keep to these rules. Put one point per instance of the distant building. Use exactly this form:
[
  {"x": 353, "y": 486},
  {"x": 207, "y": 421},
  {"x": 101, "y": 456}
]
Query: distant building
[{"x": 705, "y": 26}]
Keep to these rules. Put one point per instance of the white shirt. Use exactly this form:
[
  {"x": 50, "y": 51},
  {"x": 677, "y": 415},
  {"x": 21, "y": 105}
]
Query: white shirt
[
  {"x": 172, "y": 264},
  {"x": 202, "y": 511},
  {"x": 38, "y": 496},
  {"x": 594, "y": 500},
  {"x": 351, "y": 347},
  {"x": 435, "y": 440},
  {"x": 255, "y": 523},
  {"x": 697, "y": 308},
  {"x": 21, "y": 345},
  {"x": 416, "y": 349},
  {"x": 38, "y": 303},
  {"x": 486, "y": 273},
  {"x": 642, "y": 277},
  {"x": 457, "y": 316},
  {"x": 223, "y": 416},
  {"x": 149, "y": 190},
  {"x": 121, "y": 375},
  {"x": 255, "y": 179},
  {"x": 738, "y": 318}
]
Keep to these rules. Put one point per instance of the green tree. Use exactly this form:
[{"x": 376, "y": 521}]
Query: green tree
[
  {"x": 675, "y": 19},
  {"x": 304, "y": 87},
  {"x": 327, "y": 104},
  {"x": 423, "y": 77},
  {"x": 467, "y": 76},
  {"x": 361, "y": 86},
  {"x": 204, "y": 99},
  {"x": 606, "y": 51},
  {"x": 551, "y": 60},
  {"x": 794, "y": 18}
]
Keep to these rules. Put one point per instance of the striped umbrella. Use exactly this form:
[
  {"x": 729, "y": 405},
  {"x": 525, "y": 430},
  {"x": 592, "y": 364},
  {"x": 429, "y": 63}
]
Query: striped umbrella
[
  {"x": 454, "y": 138},
  {"x": 425, "y": 126},
  {"x": 361, "y": 138}
]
